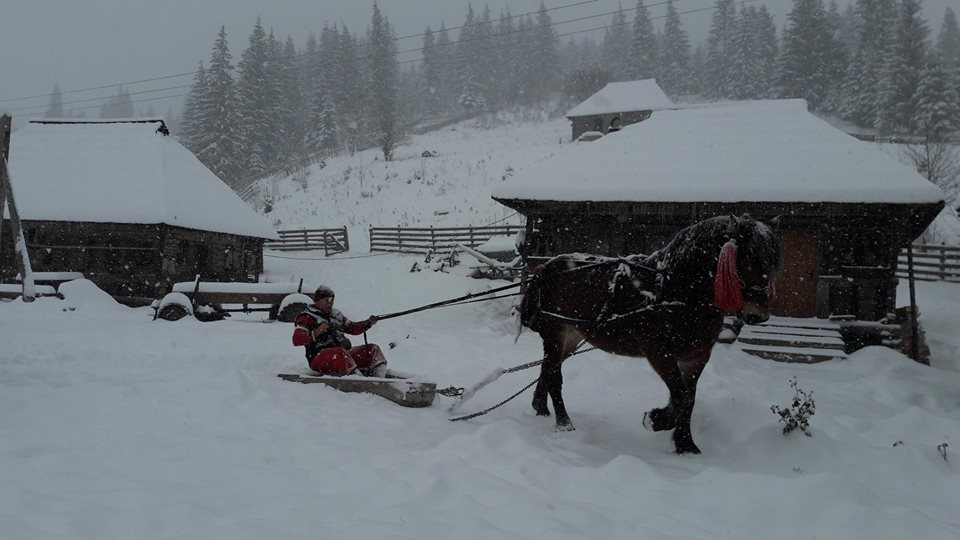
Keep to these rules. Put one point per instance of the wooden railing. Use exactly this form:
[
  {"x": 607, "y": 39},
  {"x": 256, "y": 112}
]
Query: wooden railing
[
  {"x": 436, "y": 239},
  {"x": 329, "y": 240},
  {"x": 932, "y": 263}
]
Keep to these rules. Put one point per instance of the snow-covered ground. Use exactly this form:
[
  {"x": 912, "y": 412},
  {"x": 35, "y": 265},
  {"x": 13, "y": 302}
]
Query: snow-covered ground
[
  {"x": 450, "y": 189},
  {"x": 113, "y": 425},
  {"x": 116, "y": 426}
]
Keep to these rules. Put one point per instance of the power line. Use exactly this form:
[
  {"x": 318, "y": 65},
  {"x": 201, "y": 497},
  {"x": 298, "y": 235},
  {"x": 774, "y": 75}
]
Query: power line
[
  {"x": 451, "y": 43},
  {"x": 191, "y": 73}
]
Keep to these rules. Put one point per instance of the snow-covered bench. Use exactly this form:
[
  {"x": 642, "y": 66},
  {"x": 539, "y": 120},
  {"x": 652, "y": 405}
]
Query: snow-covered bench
[
  {"x": 205, "y": 300},
  {"x": 14, "y": 290}
]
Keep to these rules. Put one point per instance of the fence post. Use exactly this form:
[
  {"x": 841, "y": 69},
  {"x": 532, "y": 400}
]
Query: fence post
[
  {"x": 399, "y": 241},
  {"x": 433, "y": 239},
  {"x": 346, "y": 239}
]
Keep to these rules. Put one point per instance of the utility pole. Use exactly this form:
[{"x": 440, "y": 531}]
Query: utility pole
[{"x": 6, "y": 192}]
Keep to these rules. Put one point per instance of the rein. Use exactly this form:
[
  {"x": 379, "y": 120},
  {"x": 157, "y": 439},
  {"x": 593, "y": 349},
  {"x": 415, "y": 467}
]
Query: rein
[{"x": 461, "y": 299}]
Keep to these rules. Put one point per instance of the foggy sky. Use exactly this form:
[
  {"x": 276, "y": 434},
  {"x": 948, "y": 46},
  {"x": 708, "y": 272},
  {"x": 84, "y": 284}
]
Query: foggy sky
[{"x": 85, "y": 43}]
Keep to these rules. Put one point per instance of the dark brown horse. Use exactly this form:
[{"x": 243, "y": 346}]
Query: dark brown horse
[{"x": 667, "y": 307}]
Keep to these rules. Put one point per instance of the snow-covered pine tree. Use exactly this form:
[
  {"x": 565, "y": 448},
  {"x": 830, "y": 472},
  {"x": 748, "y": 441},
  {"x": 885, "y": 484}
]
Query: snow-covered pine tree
[
  {"x": 220, "y": 145},
  {"x": 384, "y": 84},
  {"x": 948, "y": 40},
  {"x": 547, "y": 44},
  {"x": 507, "y": 61},
  {"x": 446, "y": 52},
  {"x": 935, "y": 103},
  {"x": 292, "y": 103},
  {"x": 842, "y": 33},
  {"x": 120, "y": 105},
  {"x": 191, "y": 131},
  {"x": 55, "y": 107},
  {"x": 471, "y": 95},
  {"x": 804, "y": 70},
  {"x": 616, "y": 47},
  {"x": 349, "y": 92},
  {"x": 253, "y": 93},
  {"x": 322, "y": 134},
  {"x": 644, "y": 49},
  {"x": 876, "y": 23},
  {"x": 901, "y": 77},
  {"x": 431, "y": 72},
  {"x": 721, "y": 47},
  {"x": 743, "y": 75},
  {"x": 674, "y": 63}
]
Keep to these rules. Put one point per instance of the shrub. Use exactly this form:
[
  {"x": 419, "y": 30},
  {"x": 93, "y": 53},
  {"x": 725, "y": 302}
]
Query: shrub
[{"x": 797, "y": 414}]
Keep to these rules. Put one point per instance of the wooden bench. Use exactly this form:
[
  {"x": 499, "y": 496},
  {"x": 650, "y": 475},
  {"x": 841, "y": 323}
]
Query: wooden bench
[
  {"x": 12, "y": 291},
  {"x": 206, "y": 300}
]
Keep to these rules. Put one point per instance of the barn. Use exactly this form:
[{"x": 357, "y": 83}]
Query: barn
[
  {"x": 129, "y": 207},
  {"x": 617, "y": 105},
  {"x": 842, "y": 208}
]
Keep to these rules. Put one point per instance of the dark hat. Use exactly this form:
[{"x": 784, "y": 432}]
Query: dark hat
[{"x": 322, "y": 292}]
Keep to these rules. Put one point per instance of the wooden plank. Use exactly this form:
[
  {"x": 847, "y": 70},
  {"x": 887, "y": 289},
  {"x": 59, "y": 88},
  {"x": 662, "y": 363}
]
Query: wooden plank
[
  {"x": 790, "y": 331},
  {"x": 791, "y": 343},
  {"x": 400, "y": 391},
  {"x": 799, "y": 356}
]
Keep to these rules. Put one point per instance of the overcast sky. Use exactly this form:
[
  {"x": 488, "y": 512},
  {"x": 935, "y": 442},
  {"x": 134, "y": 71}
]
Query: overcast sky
[{"x": 85, "y": 43}]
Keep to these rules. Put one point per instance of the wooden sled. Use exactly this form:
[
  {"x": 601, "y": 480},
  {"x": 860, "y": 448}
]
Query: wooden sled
[{"x": 397, "y": 387}]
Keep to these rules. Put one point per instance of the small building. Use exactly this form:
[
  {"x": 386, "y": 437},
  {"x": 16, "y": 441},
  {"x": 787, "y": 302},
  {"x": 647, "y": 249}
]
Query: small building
[
  {"x": 842, "y": 209},
  {"x": 616, "y": 106},
  {"x": 129, "y": 207}
]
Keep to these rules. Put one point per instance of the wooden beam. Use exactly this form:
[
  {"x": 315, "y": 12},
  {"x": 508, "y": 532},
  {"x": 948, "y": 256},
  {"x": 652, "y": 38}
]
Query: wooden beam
[{"x": 19, "y": 242}]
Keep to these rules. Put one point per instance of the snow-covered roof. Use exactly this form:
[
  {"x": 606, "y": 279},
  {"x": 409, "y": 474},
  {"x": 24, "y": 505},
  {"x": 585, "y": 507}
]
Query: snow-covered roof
[
  {"x": 759, "y": 151},
  {"x": 626, "y": 96},
  {"x": 122, "y": 172}
]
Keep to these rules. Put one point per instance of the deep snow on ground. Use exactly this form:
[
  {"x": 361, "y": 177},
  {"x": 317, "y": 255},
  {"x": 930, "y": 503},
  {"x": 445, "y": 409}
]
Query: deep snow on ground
[{"x": 116, "y": 426}]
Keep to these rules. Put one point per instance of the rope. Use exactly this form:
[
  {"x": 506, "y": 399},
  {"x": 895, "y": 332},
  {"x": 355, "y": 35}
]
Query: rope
[
  {"x": 451, "y": 301},
  {"x": 465, "y": 395}
]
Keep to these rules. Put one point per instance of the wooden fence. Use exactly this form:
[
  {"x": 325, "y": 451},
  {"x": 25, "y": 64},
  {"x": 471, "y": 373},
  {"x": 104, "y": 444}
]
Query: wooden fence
[
  {"x": 329, "y": 240},
  {"x": 437, "y": 239},
  {"x": 932, "y": 263}
]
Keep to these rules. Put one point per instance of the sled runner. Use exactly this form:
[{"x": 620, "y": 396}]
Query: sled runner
[{"x": 399, "y": 388}]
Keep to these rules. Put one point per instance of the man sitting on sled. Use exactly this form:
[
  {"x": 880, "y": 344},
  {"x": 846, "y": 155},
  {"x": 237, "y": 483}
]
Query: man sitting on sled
[{"x": 321, "y": 329}]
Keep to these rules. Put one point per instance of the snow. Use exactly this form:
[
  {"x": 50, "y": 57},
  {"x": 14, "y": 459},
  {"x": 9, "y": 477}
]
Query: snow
[
  {"x": 762, "y": 151},
  {"x": 121, "y": 173},
  {"x": 114, "y": 425},
  {"x": 626, "y": 96}
]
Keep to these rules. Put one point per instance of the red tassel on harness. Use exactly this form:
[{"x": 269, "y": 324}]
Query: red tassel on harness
[{"x": 726, "y": 287}]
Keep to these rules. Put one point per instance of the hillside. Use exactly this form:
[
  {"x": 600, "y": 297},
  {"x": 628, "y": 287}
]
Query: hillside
[{"x": 450, "y": 189}]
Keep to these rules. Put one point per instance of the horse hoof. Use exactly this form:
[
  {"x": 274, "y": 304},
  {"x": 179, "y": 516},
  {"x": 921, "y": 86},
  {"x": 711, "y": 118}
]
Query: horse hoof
[
  {"x": 658, "y": 420},
  {"x": 687, "y": 448},
  {"x": 565, "y": 427}
]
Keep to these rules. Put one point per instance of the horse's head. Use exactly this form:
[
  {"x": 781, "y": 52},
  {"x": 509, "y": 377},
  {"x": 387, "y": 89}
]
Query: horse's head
[{"x": 746, "y": 267}]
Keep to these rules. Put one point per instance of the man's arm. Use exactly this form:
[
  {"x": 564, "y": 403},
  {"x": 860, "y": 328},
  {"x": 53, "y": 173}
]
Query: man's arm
[{"x": 306, "y": 330}]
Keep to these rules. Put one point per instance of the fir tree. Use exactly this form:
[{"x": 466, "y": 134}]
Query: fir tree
[
  {"x": 384, "y": 84},
  {"x": 431, "y": 72},
  {"x": 55, "y": 108},
  {"x": 901, "y": 77},
  {"x": 935, "y": 103},
  {"x": 254, "y": 93},
  {"x": 322, "y": 133},
  {"x": 644, "y": 51},
  {"x": 546, "y": 43},
  {"x": 192, "y": 123},
  {"x": 675, "y": 55},
  {"x": 948, "y": 41},
  {"x": 220, "y": 145},
  {"x": 120, "y": 105},
  {"x": 721, "y": 51},
  {"x": 805, "y": 70},
  {"x": 616, "y": 47}
]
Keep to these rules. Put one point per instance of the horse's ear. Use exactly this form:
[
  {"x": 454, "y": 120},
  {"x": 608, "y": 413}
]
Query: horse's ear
[{"x": 775, "y": 221}]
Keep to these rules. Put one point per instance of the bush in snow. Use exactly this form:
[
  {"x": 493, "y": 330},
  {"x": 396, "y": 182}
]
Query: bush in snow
[{"x": 797, "y": 414}]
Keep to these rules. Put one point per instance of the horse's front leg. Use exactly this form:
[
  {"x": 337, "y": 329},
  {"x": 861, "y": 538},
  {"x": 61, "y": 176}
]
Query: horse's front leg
[
  {"x": 676, "y": 415},
  {"x": 556, "y": 348}
]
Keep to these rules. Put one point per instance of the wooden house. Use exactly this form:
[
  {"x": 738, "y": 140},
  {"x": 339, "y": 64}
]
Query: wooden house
[
  {"x": 129, "y": 207},
  {"x": 616, "y": 106},
  {"x": 842, "y": 209}
]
